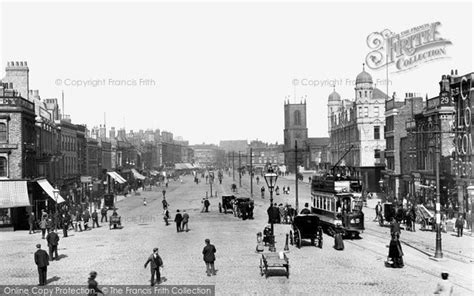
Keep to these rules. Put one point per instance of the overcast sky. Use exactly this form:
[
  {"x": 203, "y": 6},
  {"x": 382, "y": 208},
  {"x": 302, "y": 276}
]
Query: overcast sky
[{"x": 216, "y": 71}]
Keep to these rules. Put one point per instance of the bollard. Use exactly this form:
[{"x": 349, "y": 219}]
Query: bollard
[{"x": 286, "y": 244}]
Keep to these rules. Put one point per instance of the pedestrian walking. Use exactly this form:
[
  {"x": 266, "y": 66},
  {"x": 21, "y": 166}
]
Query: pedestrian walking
[
  {"x": 103, "y": 213},
  {"x": 444, "y": 287},
  {"x": 178, "y": 219},
  {"x": 185, "y": 221},
  {"x": 53, "y": 240},
  {"x": 378, "y": 211},
  {"x": 338, "y": 241},
  {"x": 395, "y": 252},
  {"x": 93, "y": 285},
  {"x": 155, "y": 263},
  {"x": 43, "y": 226},
  {"x": 209, "y": 257},
  {"x": 65, "y": 224},
  {"x": 42, "y": 262},
  {"x": 31, "y": 222},
  {"x": 206, "y": 205},
  {"x": 165, "y": 203},
  {"x": 459, "y": 224},
  {"x": 166, "y": 216},
  {"x": 258, "y": 180},
  {"x": 262, "y": 191},
  {"x": 164, "y": 193},
  {"x": 95, "y": 219}
]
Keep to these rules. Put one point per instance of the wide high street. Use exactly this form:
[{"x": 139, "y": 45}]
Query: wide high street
[{"x": 118, "y": 255}]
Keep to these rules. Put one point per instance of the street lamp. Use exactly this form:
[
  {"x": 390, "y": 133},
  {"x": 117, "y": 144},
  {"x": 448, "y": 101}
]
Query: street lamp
[
  {"x": 56, "y": 196},
  {"x": 90, "y": 195},
  {"x": 271, "y": 178},
  {"x": 211, "y": 179}
]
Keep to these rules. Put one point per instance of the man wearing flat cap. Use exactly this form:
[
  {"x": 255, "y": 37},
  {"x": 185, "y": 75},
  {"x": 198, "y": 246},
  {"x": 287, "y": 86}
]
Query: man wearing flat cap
[
  {"x": 42, "y": 261},
  {"x": 155, "y": 264}
]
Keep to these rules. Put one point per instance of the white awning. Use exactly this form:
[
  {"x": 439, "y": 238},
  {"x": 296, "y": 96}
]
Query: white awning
[
  {"x": 13, "y": 194},
  {"x": 49, "y": 190},
  {"x": 137, "y": 175},
  {"x": 117, "y": 177}
]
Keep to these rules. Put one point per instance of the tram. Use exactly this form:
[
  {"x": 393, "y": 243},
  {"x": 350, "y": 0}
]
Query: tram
[{"x": 335, "y": 200}]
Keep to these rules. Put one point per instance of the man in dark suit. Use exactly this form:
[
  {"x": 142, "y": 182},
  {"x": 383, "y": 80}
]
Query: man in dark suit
[
  {"x": 53, "y": 239},
  {"x": 155, "y": 264},
  {"x": 178, "y": 218},
  {"x": 42, "y": 261}
]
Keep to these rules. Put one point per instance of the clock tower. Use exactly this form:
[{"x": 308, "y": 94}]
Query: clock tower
[{"x": 295, "y": 130}]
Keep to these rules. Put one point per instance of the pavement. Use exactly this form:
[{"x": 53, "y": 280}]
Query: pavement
[{"x": 118, "y": 255}]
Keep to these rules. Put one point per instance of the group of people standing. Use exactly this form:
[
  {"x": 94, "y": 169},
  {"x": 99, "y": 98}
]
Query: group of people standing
[{"x": 280, "y": 214}]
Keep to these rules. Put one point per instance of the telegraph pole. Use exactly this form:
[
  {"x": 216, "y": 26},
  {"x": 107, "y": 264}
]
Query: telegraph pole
[
  {"x": 240, "y": 171},
  {"x": 233, "y": 168},
  {"x": 438, "y": 251},
  {"x": 296, "y": 176},
  {"x": 251, "y": 174}
]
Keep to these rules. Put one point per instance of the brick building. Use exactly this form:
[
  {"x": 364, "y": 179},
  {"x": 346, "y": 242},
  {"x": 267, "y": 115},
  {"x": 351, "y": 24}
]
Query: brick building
[
  {"x": 17, "y": 156},
  {"x": 397, "y": 114},
  {"x": 357, "y": 126}
]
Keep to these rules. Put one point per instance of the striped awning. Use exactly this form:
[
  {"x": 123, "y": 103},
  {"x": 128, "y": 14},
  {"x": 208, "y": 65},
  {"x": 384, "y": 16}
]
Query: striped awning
[
  {"x": 13, "y": 194},
  {"x": 116, "y": 177},
  {"x": 137, "y": 175},
  {"x": 50, "y": 190}
]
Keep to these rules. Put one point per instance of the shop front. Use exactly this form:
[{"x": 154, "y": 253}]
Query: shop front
[{"x": 15, "y": 204}]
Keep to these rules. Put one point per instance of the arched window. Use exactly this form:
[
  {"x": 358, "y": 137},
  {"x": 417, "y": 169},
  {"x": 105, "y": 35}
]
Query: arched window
[
  {"x": 3, "y": 167},
  {"x": 3, "y": 132},
  {"x": 297, "y": 117}
]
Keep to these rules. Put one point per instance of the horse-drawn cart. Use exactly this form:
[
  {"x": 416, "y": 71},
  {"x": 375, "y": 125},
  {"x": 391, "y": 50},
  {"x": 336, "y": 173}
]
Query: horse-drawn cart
[
  {"x": 274, "y": 261},
  {"x": 306, "y": 227}
]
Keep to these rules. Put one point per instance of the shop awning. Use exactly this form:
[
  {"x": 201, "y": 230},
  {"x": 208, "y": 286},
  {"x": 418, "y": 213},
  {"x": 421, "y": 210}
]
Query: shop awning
[
  {"x": 116, "y": 177},
  {"x": 49, "y": 190},
  {"x": 137, "y": 175},
  {"x": 13, "y": 194}
]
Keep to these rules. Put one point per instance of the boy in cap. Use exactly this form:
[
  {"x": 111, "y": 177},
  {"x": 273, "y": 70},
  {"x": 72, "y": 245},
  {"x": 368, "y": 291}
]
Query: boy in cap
[{"x": 155, "y": 265}]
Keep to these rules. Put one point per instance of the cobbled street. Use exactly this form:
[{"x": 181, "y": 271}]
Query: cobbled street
[{"x": 119, "y": 255}]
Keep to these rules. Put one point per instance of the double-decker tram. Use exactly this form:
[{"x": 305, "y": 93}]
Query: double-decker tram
[{"x": 337, "y": 202}]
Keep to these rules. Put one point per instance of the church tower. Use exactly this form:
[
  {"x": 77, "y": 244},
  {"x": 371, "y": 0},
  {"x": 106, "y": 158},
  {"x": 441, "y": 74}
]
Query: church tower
[{"x": 295, "y": 130}]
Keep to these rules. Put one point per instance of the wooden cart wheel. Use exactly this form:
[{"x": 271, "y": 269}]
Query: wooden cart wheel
[
  {"x": 298, "y": 238},
  {"x": 291, "y": 237}
]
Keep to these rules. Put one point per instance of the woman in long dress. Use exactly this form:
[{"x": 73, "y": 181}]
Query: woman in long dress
[{"x": 395, "y": 252}]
